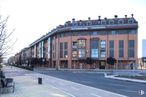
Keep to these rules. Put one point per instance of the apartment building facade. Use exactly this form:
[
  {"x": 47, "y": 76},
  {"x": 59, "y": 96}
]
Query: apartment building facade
[{"x": 72, "y": 44}]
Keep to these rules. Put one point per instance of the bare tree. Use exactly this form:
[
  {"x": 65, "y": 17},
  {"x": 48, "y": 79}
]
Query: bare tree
[{"x": 5, "y": 38}]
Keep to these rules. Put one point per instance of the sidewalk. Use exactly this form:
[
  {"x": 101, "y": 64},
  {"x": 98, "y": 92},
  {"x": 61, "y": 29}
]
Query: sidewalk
[{"x": 26, "y": 86}]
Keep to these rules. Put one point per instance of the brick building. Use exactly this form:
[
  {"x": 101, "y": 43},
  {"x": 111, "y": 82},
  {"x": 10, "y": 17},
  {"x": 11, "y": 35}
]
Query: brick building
[{"x": 71, "y": 44}]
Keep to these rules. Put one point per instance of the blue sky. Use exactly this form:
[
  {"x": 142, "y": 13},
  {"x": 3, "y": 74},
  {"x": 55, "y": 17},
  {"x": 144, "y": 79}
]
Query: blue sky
[{"x": 34, "y": 18}]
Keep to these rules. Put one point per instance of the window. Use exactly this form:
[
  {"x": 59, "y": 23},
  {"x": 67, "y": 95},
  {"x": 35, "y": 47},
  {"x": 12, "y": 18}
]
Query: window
[
  {"x": 94, "y": 53},
  {"x": 120, "y": 21},
  {"x": 40, "y": 49},
  {"x": 74, "y": 45},
  {"x": 81, "y": 53},
  {"x": 103, "y": 48},
  {"x": 132, "y": 31},
  {"x": 81, "y": 34},
  {"x": 89, "y": 23},
  {"x": 65, "y": 54},
  {"x": 74, "y": 48},
  {"x": 49, "y": 49},
  {"x": 131, "y": 46},
  {"x": 102, "y": 43},
  {"x": 74, "y": 33},
  {"x": 130, "y": 21},
  {"x": 81, "y": 43},
  {"x": 65, "y": 50},
  {"x": 103, "y": 22},
  {"x": 123, "y": 32},
  {"x": 111, "y": 48},
  {"x": 114, "y": 32},
  {"x": 74, "y": 54},
  {"x": 103, "y": 33},
  {"x": 111, "y": 22},
  {"x": 121, "y": 48},
  {"x": 61, "y": 50},
  {"x": 94, "y": 48},
  {"x": 94, "y": 33},
  {"x": 65, "y": 45}
]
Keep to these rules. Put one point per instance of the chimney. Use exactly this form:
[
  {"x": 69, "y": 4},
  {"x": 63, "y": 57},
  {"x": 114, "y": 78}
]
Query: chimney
[
  {"x": 116, "y": 16},
  {"x": 105, "y": 18},
  {"x": 73, "y": 19},
  {"x": 99, "y": 17},
  {"x": 125, "y": 16},
  {"x": 132, "y": 15},
  {"x": 89, "y": 18}
]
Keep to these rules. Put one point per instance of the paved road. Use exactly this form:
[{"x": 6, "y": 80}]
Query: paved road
[
  {"x": 98, "y": 80},
  {"x": 26, "y": 83}
]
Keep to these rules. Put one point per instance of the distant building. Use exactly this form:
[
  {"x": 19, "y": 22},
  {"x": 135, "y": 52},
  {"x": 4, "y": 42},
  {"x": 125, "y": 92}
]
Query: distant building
[
  {"x": 144, "y": 48},
  {"x": 142, "y": 61}
]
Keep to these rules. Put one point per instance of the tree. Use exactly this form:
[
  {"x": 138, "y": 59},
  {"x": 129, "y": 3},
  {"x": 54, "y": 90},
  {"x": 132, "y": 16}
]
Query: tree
[
  {"x": 89, "y": 60},
  {"x": 111, "y": 61},
  {"x": 5, "y": 39}
]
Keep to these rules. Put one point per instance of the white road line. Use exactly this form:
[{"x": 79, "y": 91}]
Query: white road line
[
  {"x": 94, "y": 95},
  {"x": 118, "y": 85},
  {"x": 130, "y": 91},
  {"x": 75, "y": 88}
]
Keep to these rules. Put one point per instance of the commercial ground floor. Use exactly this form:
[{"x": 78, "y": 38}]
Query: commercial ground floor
[{"x": 82, "y": 64}]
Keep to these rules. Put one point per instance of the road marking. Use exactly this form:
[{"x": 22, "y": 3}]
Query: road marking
[
  {"x": 141, "y": 92},
  {"x": 118, "y": 85},
  {"x": 130, "y": 91},
  {"x": 95, "y": 95},
  {"x": 75, "y": 88}
]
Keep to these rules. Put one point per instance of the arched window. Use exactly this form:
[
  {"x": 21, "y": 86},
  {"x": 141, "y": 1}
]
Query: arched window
[
  {"x": 120, "y": 21},
  {"x": 130, "y": 21},
  {"x": 103, "y": 22},
  {"x": 111, "y": 22},
  {"x": 75, "y": 24},
  {"x": 99, "y": 22},
  {"x": 89, "y": 23}
]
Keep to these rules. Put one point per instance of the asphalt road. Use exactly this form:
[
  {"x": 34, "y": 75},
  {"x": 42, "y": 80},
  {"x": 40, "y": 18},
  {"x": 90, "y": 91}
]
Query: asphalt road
[{"x": 98, "y": 80}]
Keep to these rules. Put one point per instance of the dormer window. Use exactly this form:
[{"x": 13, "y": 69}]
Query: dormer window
[
  {"x": 99, "y": 22},
  {"x": 89, "y": 23},
  {"x": 111, "y": 22},
  {"x": 66, "y": 24},
  {"x": 80, "y": 23},
  {"x": 120, "y": 21},
  {"x": 75, "y": 24},
  {"x": 130, "y": 21},
  {"x": 103, "y": 22}
]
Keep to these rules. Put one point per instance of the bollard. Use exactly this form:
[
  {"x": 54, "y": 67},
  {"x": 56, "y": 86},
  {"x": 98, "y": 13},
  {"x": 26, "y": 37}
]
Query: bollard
[{"x": 39, "y": 80}]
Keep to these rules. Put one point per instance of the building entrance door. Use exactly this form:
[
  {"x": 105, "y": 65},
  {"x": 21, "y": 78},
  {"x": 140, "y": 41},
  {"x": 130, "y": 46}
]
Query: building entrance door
[{"x": 102, "y": 64}]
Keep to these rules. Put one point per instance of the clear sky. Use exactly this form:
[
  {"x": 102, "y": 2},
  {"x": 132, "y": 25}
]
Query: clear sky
[{"x": 34, "y": 18}]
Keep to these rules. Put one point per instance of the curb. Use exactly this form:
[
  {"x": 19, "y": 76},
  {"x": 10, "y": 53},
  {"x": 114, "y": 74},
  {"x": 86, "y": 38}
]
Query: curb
[{"x": 123, "y": 79}]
